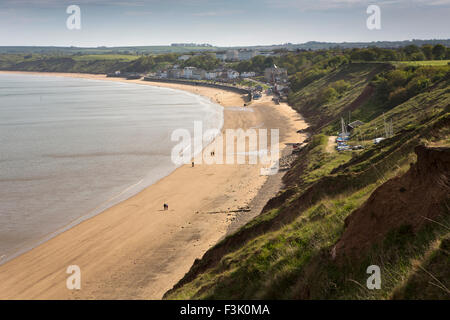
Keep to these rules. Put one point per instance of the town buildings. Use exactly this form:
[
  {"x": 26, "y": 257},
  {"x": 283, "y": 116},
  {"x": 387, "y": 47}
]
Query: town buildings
[
  {"x": 198, "y": 74},
  {"x": 276, "y": 75},
  {"x": 236, "y": 55}
]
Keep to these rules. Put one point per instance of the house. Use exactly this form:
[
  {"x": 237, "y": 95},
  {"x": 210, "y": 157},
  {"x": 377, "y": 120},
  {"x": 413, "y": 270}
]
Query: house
[
  {"x": 188, "y": 72},
  {"x": 276, "y": 74},
  {"x": 175, "y": 73},
  {"x": 162, "y": 74},
  {"x": 248, "y": 74},
  {"x": 232, "y": 74},
  {"x": 211, "y": 75},
  {"x": 198, "y": 74}
]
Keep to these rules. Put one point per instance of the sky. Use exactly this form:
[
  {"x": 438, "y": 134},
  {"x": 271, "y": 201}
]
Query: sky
[{"x": 218, "y": 22}]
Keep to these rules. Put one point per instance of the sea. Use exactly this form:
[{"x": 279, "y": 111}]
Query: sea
[{"x": 71, "y": 148}]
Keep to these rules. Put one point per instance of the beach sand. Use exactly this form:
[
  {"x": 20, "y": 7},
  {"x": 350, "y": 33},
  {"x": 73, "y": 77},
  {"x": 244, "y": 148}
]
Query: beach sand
[{"x": 135, "y": 250}]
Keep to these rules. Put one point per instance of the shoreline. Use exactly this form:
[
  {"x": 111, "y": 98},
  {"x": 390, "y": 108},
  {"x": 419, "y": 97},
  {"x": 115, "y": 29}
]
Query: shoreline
[
  {"x": 134, "y": 251},
  {"x": 102, "y": 205}
]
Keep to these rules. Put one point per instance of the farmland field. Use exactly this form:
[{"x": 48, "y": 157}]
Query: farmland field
[
  {"x": 92, "y": 57},
  {"x": 423, "y": 63}
]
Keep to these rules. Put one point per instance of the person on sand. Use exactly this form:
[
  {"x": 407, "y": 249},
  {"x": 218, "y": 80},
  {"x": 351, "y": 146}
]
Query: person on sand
[
  {"x": 166, "y": 207},
  {"x": 192, "y": 164}
]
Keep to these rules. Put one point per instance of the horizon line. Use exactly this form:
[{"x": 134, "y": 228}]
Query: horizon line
[{"x": 219, "y": 46}]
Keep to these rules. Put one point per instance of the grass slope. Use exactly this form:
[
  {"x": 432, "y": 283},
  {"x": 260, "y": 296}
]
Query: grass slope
[{"x": 284, "y": 253}]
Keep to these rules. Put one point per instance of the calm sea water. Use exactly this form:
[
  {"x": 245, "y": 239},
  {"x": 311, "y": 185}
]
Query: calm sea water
[{"x": 70, "y": 148}]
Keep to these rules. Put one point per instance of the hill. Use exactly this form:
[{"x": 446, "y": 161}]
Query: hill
[
  {"x": 311, "y": 45},
  {"x": 340, "y": 212}
]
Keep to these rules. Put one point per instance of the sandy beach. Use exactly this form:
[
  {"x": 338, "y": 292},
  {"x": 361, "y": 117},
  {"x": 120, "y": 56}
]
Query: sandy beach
[{"x": 136, "y": 250}]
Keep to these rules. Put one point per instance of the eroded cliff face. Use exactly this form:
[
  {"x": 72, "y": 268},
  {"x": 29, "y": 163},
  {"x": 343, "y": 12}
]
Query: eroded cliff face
[{"x": 420, "y": 196}]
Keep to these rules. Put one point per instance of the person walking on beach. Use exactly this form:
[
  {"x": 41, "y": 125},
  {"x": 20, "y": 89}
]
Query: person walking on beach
[
  {"x": 192, "y": 164},
  {"x": 166, "y": 207}
]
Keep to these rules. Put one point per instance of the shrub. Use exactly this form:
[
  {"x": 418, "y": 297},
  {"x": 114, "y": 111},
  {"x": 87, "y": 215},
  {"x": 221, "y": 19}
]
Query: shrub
[
  {"x": 327, "y": 95},
  {"x": 398, "y": 96},
  {"x": 341, "y": 86}
]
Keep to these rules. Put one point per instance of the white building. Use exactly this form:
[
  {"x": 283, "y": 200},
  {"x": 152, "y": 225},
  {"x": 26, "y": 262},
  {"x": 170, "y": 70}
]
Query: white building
[
  {"x": 276, "y": 74},
  {"x": 248, "y": 74},
  {"x": 211, "y": 75},
  {"x": 198, "y": 74},
  {"x": 162, "y": 74},
  {"x": 232, "y": 74},
  {"x": 175, "y": 73},
  {"x": 188, "y": 72}
]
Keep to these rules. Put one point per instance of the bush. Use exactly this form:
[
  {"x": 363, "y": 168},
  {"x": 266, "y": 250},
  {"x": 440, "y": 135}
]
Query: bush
[
  {"x": 327, "y": 95},
  {"x": 417, "y": 85},
  {"x": 341, "y": 86},
  {"x": 398, "y": 96}
]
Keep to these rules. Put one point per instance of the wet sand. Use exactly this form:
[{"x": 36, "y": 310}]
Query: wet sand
[{"x": 135, "y": 250}]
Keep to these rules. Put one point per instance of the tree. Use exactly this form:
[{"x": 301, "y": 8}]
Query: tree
[
  {"x": 337, "y": 61},
  {"x": 245, "y": 66},
  {"x": 417, "y": 85},
  {"x": 396, "y": 78},
  {"x": 398, "y": 96},
  {"x": 410, "y": 50},
  {"x": 258, "y": 63},
  {"x": 341, "y": 86},
  {"x": 327, "y": 95},
  {"x": 439, "y": 52},
  {"x": 427, "y": 50},
  {"x": 418, "y": 56}
]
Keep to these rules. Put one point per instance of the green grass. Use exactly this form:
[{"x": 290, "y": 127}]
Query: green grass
[
  {"x": 422, "y": 63},
  {"x": 292, "y": 260},
  {"x": 94, "y": 57},
  {"x": 320, "y": 162},
  {"x": 429, "y": 279},
  {"x": 396, "y": 256},
  {"x": 269, "y": 265},
  {"x": 406, "y": 115},
  {"x": 308, "y": 102}
]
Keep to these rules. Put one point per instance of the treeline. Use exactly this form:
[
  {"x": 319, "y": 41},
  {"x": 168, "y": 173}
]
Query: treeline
[
  {"x": 205, "y": 61},
  {"x": 303, "y": 66},
  {"x": 397, "y": 86},
  {"x": 59, "y": 64},
  {"x": 152, "y": 63},
  {"x": 408, "y": 53},
  {"x": 73, "y": 63}
]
